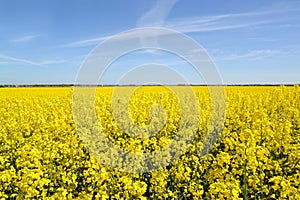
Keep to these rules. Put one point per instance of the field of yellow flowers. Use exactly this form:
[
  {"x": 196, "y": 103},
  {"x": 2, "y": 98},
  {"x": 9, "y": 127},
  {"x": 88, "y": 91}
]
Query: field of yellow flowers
[{"x": 256, "y": 156}]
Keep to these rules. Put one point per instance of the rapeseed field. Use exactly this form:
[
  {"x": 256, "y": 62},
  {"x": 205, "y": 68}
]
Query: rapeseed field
[{"x": 256, "y": 155}]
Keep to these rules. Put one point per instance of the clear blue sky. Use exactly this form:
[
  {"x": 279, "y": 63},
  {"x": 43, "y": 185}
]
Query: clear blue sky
[{"x": 253, "y": 41}]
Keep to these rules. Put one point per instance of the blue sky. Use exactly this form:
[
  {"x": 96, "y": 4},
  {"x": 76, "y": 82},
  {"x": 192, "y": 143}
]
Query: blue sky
[{"x": 44, "y": 42}]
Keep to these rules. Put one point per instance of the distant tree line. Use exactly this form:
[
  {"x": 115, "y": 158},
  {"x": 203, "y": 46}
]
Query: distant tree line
[{"x": 108, "y": 85}]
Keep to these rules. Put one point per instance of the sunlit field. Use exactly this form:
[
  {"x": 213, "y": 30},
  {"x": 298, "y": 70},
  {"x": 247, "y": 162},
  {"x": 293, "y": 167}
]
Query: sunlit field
[{"x": 256, "y": 156}]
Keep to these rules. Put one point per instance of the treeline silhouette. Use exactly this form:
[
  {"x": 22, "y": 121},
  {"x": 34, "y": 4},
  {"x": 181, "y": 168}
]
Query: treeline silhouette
[{"x": 111, "y": 85}]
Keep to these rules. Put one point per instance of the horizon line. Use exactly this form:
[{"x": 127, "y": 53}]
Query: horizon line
[{"x": 133, "y": 85}]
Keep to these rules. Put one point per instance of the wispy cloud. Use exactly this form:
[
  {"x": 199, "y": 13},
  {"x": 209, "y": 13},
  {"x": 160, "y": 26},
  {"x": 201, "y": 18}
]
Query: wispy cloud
[
  {"x": 3, "y": 63},
  {"x": 251, "y": 55},
  {"x": 124, "y": 37},
  {"x": 157, "y": 14},
  {"x": 25, "y": 38},
  {"x": 156, "y": 17},
  {"x": 30, "y": 62},
  {"x": 87, "y": 42},
  {"x": 229, "y": 21},
  {"x": 190, "y": 26}
]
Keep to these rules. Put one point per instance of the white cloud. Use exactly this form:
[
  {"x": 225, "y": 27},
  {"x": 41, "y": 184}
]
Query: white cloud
[
  {"x": 229, "y": 21},
  {"x": 157, "y": 14},
  {"x": 126, "y": 36},
  {"x": 26, "y": 38},
  {"x": 4, "y": 63},
  {"x": 251, "y": 55},
  {"x": 21, "y": 60},
  {"x": 87, "y": 42},
  {"x": 156, "y": 17}
]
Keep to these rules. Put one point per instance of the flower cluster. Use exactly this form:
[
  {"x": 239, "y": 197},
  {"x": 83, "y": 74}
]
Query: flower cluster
[{"x": 256, "y": 157}]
